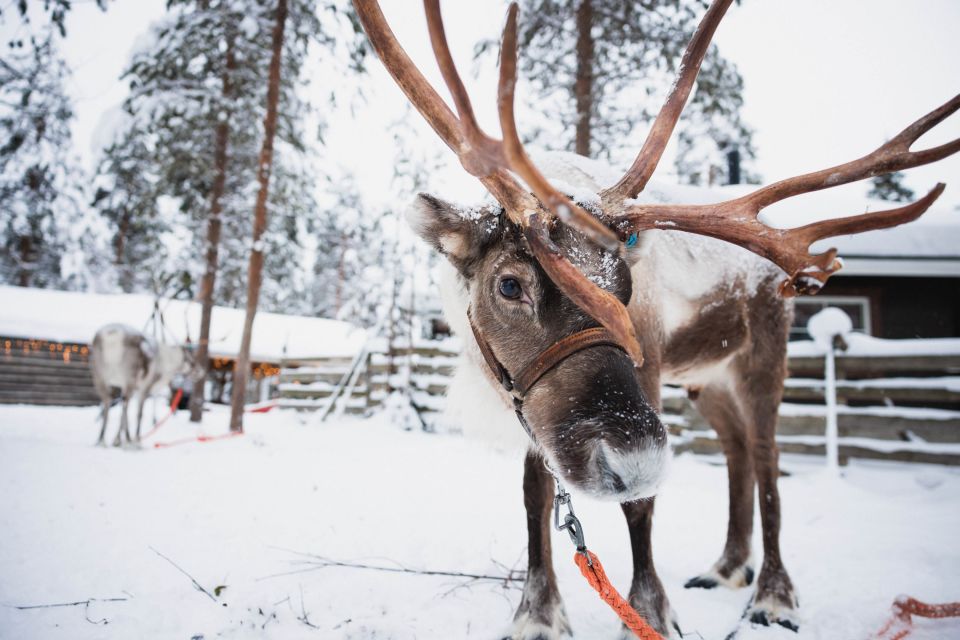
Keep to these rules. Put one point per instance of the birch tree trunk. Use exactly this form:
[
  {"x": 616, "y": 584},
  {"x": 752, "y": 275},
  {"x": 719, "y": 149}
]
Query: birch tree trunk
[
  {"x": 255, "y": 271},
  {"x": 214, "y": 222}
]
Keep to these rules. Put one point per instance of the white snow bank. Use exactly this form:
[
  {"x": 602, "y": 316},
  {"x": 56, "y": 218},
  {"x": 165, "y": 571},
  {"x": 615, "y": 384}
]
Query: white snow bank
[
  {"x": 78, "y": 522},
  {"x": 863, "y": 345},
  {"x": 67, "y": 316}
]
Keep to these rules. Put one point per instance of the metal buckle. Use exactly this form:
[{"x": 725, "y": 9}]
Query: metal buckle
[{"x": 571, "y": 524}]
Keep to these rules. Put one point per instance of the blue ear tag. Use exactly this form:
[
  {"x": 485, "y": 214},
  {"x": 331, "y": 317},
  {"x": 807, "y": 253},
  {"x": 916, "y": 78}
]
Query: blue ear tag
[{"x": 632, "y": 240}]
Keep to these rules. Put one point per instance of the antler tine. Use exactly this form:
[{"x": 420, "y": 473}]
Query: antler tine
[
  {"x": 489, "y": 159},
  {"x": 894, "y": 155},
  {"x": 600, "y": 304},
  {"x": 789, "y": 249},
  {"x": 490, "y": 149},
  {"x": 639, "y": 173},
  {"x": 811, "y": 272},
  {"x": 508, "y": 153},
  {"x": 434, "y": 110},
  {"x": 736, "y": 220},
  {"x": 567, "y": 210}
]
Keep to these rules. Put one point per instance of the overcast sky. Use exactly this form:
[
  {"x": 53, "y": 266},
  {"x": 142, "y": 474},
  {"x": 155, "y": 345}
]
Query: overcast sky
[{"x": 826, "y": 81}]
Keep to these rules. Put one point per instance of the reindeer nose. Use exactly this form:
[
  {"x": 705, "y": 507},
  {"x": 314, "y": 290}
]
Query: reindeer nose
[
  {"x": 610, "y": 479},
  {"x": 633, "y": 472}
]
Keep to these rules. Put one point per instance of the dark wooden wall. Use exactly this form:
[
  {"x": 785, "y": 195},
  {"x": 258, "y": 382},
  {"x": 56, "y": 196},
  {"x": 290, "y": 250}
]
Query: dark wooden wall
[{"x": 905, "y": 307}]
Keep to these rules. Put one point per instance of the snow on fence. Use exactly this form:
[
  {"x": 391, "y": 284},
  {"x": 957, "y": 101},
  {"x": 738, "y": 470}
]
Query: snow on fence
[
  {"x": 898, "y": 400},
  {"x": 423, "y": 369}
]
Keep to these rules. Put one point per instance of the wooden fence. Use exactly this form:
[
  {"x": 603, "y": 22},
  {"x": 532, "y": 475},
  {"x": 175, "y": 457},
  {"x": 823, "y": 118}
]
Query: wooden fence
[{"x": 892, "y": 407}]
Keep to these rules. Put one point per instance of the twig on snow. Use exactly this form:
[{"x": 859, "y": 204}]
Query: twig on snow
[
  {"x": 316, "y": 562},
  {"x": 196, "y": 584},
  {"x": 85, "y": 603},
  {"x": 68, "y": 604},
  {"x": 304, "y": 618}
]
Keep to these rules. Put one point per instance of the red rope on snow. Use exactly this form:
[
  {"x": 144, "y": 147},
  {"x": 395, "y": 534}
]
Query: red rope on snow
[
  {"x": 200, "y": 438},
  {"x": 593, "y": 571},
  {"x": 173, "y": 409},
  {"x": 901, "y": 623}
]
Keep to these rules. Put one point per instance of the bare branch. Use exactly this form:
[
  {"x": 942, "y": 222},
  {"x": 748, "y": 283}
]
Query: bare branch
[
  {"x": 196, "y": 584},
  {"x": 68, "y": 604}
]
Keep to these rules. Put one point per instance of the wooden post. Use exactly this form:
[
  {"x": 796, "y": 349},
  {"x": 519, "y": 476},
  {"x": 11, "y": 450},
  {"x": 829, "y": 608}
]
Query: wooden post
[{"x": 255, "y": 272}]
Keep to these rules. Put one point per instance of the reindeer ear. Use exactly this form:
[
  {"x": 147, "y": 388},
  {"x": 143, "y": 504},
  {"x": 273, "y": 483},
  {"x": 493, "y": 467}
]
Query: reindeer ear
[{"x": 462, "y": 235}]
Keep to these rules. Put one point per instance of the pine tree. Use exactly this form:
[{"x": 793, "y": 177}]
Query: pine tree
[
  {"x": 602, "y": 67},
  {"x": 39, "y": 178},
  {"x": 198, "y": 100},
  {"x": 889, "y": 186},
  {"x": 241, "y": 369},
  {"x": 128, "y": 199},
  {"x": 47, "y": 237}
]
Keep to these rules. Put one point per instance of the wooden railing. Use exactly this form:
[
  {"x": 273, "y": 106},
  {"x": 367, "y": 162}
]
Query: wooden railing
[{"x": 898, "y": 407}]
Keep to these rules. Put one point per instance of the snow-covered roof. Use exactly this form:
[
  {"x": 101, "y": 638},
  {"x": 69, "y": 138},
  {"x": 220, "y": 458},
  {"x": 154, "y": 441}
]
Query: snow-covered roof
[{"x": 67, "y": 316}]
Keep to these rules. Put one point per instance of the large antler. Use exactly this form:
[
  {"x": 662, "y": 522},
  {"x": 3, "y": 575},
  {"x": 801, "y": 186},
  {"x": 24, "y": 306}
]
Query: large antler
[
  {"x": 491, "y": 160},
  {"x": 736, "y": 220}
]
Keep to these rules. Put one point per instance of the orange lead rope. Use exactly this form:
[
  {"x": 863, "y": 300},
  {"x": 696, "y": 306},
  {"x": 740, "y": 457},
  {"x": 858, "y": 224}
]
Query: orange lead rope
[
  {"x": 904, "y": 607},
  {"x": 593, "y": 571},
  {"x": 591, "y": 568}
]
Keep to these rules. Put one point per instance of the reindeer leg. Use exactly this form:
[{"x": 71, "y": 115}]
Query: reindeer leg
[
  {"x": 104, "y": 393},
  {"x": 541, "y": 615},
  {"x": 104, "y": 413},
  {"x": 139, "y": 416},
  {"x": 760, "y": 388},
  {"x": 124, "y": 428},
  {"x": 647, "y": 595},
  {"x": 775, "y": 599},
  {"x": 734, "y": 568}
]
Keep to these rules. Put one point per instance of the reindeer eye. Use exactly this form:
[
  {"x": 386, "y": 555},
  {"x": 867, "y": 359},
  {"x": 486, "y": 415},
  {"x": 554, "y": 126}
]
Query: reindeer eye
[{"x": 510, "y": 288}]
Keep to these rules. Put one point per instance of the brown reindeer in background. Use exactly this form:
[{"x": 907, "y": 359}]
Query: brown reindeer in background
[{"x": 578, "y": 332}]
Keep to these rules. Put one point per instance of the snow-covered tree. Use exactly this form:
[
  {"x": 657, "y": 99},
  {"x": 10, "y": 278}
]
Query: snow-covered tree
[
  {"x": 600, "y": 70},
  {"x": 47, "y": 235},
  {"x": 127, "y": 198},
  {"x": 890, "y": 186},
  {"x": 198, "y": 99},
  {"x": 241, "y": 370},
  {"x": 39, "y": 177}
]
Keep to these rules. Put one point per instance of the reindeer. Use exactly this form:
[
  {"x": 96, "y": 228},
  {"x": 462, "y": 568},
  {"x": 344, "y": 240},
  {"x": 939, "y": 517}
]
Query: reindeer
[
  {"x": 580, "y": 310},
  {"x": 123, "y": 358}
]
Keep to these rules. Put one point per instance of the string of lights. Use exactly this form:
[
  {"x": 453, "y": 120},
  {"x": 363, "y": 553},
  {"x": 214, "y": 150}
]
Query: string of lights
[{"x": 75, "y": 352}]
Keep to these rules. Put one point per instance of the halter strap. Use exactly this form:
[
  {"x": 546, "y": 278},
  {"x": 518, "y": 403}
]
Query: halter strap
[{"x": 546, "y": 360}]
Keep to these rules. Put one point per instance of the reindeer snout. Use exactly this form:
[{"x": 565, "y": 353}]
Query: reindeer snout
[
  {"x": 613, "y": 456},
  {"x": 629, "y": 474}
]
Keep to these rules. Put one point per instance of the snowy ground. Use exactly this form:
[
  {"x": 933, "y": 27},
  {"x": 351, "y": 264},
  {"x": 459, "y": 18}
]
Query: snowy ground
[{"x": 79, "y": 522}]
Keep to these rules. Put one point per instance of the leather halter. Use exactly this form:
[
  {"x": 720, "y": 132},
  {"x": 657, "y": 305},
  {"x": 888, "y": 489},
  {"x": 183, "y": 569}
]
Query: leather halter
[{"x": 519, "y": 385}]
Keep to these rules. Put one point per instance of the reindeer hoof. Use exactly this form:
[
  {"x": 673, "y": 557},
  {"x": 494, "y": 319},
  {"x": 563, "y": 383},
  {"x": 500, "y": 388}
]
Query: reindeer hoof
[
  {"x": 769, "y": 611},
  {"x": 760, "y": 617},
  {"x": 656, "y": 610},
  {"x": 700, "y": 582},
  {"x": 738, "y": 578},
  {"x": 552, "y": 626}
]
